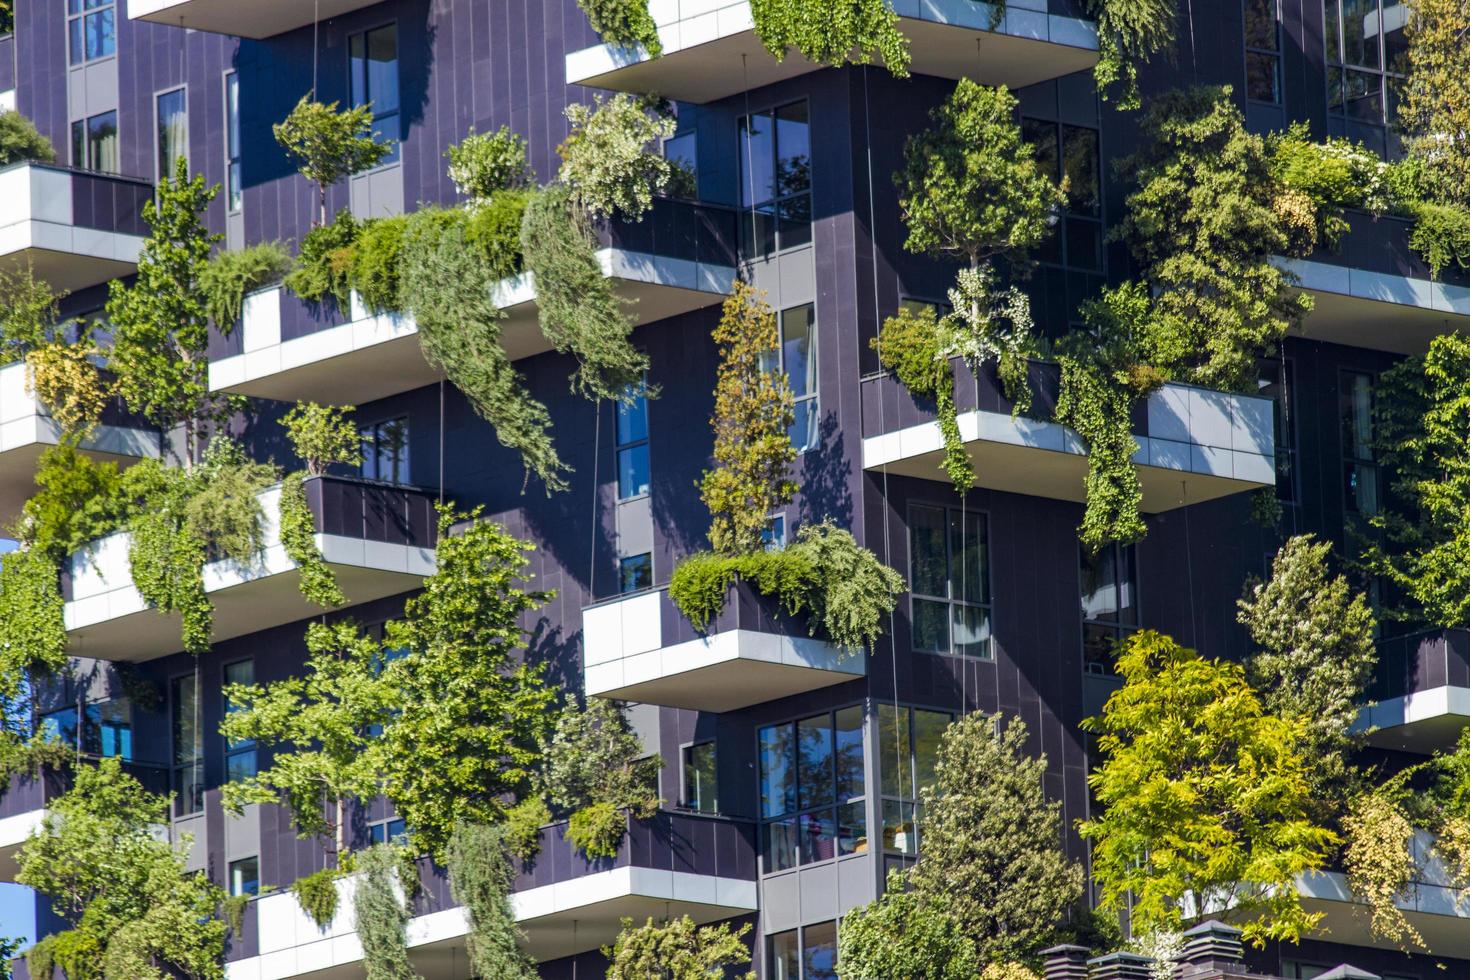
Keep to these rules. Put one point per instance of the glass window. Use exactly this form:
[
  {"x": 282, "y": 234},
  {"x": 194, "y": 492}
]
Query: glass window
[
  {"x": 91, "y": 30},
  {"x": 173, "y": 131},
  {"x": 105, "y": 729},
  {"x": 819, "y": 952},
  {"x": 632, "y": 447},
  {"x": 950, "y": 584},
  {"x": 699, "y": 778},
  {"x": 908, "y": 748},
  {"x": 1262, "y": 52},
  {"x": 798, "y": 328},
  {"x": 1276, "y": 382},
  {"x": 233, "y": 189},
  {"x": 385, "y": 451},
  {"x": 773, "y": 535},
  {"x": 1366, "y": 57},
  {"x": 681, "y": 151},
  {"x": 812, "y": 786},
  {"x": 374, "y": 68},
  {"x": 240, "y": 760},
  {"x": 1109, "y": 595},
  {"x": 94, "y": 143},
  {"x": 188, "y": 746},
  {"x": 635, "y": 574},
  {"x": 390, "y": 831},
  {"x": 1360, "y": 471},
  {"x": 245, "y": 876},
  {"x": 784, "y": 955},
  {"x": 775, "y": 180},
  {"x": 1071, "y": 153}
]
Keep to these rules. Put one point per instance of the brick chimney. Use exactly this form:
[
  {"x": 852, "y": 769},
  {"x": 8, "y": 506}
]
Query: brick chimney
[
  {"x": 1120, "y": 966},
  {"x": 1065, "y": 963}
]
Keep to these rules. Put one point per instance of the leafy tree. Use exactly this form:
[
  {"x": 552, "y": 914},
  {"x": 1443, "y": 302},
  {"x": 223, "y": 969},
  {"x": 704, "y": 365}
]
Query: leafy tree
[
  {"x": 1205, "y": 798},
  {"x": 754, "y": 410},
  {"x": 329, "y": 145},
  {"x": 160, "y": 325},
  {"x": 1435, "y": 104},
  {"x": 124, "y": 891},
  {"x": 1202, "y": 229},
  {"x": 321, "y": 729},
  {"x": 992, "y": 855},
  {"x": 904, "y": 934},
  {"x": 324, "y": 261},
  {"x": 833, "y": 32},
  {"x": 480, "y": 879},
  {"x": 596, "y": 768},
  {"x": 60, "y": 355},
  {"x": 322, "y": 435},
  {"x": 1314, "y": 654},
  {"x": 677, "y": 950},
  {"x": 20, "y": 140},
  {"x": 623, "y": 22},
  {"x": 468, "y": 716},
  {"x": 483, "y": 163},
  {"x": 606, "y": 161}
]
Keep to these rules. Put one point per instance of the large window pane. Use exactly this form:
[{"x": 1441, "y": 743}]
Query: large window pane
[
  {"x": 849, "y": 754},
  {"x": 928, "y": 560},
  {"x": 778, "y": 770},
  {"x": 699, "y": 778},
  {"x": 233, "y": 189},
  {"x": 895, "y": 751},
  {"x": 173, "y": 131},
  {"x": 818, "y": 836},
  {"x": 102, "y": 148},
  {"x": 798, "y": 349},
  {"x": 188, "y": 773},
  {"x": 967, "y": 551},
  {"x": 929, "y": 729},
  {"x": 931, "y": 626},
  {"x": 781, "y": 845},
  {"x": 793, "y": 143},
  {"x": 757, "y": 159},
  {"x": 784, "y": 956},
  {"x": 819, "y": 952},
  {"x": 633, "y": 471},
  {"x": 814, "y": 779}
]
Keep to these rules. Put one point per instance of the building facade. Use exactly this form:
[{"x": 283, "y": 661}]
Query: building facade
[{"x": 791, "y": 773}]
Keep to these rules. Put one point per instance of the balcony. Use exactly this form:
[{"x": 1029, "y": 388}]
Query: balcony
[
  {"x": 641, "y": 648},
  {"x": 257, "y": 19},
  {"x": 1421, "y": 692},
  {"x": 1376, "y": 292},
  {"x": 674, "y": 864},
  {"x": 680, "y": 258},
  {"x": 378, "y": 540},
  {"x": 1433, "y": 906},
  {"x": 1194, "y": 444},
  {"x": 710, "y": 48},
  {"x": 74, "y": 228},
  {"x": 27, "y": 430}
]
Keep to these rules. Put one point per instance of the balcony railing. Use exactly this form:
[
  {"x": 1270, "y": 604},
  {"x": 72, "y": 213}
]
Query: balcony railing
[
  {"x": 1194, "y": 444},
  {"x": 673, "y": 864},
  {"x": 74, "y": 228},
  {"x": 642, "y": 648},
  {"x": 680, "y": 257},
  {"x": 1375, "y": 291},
  {"x": 1420, "y": 699},
  {"x": 256, "y": 19},
  {"x": 710, "y": 49},
  {"x": 378, "y": 539}
]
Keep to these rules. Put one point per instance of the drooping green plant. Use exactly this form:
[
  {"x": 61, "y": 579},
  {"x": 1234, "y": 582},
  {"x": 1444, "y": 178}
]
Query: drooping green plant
[
  {"x": 754, "y": 410},
  {"x": 29, "y": 310},
  {"x": 833, "y": 32},
  {"x": 321, "y": 436},
  {"x": 32, "y": 614},
  {"x": 676, "y": 949},
  {"x": 232, "y": 273},
  {"x": 578, "y": 309},
  {"x": 376, "y": 261},
  {"x": 1314, "y": 656},
  {"x": 483, "y": 164},
  {"x": 595, "y": 770},
  {"x": 20, "y": 140},
  {"x": 909, "y": 345},
  {"x": 1130, "y": 32},
  {"x": 1434, "y": 106},
  {"x": 1205, "y": 798},
  {"x": 324, "y": 262},
  {"x": 232, "y": 910},
  {"x": 446, "y": 288},
  {"x": 626, "y": 23},
  {"x": 522, "y": 826},
  {"x": 317, "y": 895},
  {"x": 606, "y": 160},
  {"x": 480, "y": 879},
  {"x": 1441, "y": 234},
  {"x": 132, "y": 908},
  {"x": 329, "y": 145},
  {"x": 493, "y": 229},
  {"x": 160, "y": 323},
  {"x": 380, "y": 916},
  {"x": 298, "y": 536}
]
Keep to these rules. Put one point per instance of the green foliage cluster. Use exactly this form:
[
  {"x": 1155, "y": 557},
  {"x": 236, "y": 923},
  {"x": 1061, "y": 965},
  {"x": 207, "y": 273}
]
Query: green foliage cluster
[
  {"x": 21, "y": 140},
  {"x": 596, "y": 770},
  {"x": 232, "y": 273},
  {"x": 1130, "y": 32},
  {"x": 480, "y": 878},
  {"x": 904, "y": 934},
  {"x": 909, "y": 346},
  {"x": 845, "y": 591},
  {"x": 298, "y": 537},
  {"x": 328, "y": 144},
  {"x": 31, "y": 613},
  {"x": 132, "y": 909},
  {"x": 1205, "y": 798},
  {"x": 322, "y": 435},
  {"x": 623, "y": 22},
  {"x": 484, "y": 164},
  {"x": 833, "y": 32},
  {"x": 1441, "y": 234},
  {"x": 1331, "y": 175},
  {"x": 607, "y": 165},
  {"x": 317, "y": 895},
  {"x": 522, "y": 826},
  {"x": 324, "y": 262},
  {"x": 676, "y": 949},
  {"x": 1434, "y": 106},
  {"x": 380, "y": 916}
]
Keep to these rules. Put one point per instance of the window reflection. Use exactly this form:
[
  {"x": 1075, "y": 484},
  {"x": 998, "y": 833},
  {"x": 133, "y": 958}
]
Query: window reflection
[{"x": 811, "y": 788}]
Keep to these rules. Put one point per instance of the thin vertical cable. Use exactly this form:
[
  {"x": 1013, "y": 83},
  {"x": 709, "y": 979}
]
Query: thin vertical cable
[
  {"x": 1188, "y": 564},
  {"x": 596, "y": 460},
  {"x": 316, "y": 23},
  {"x": 441, "y": 440}
]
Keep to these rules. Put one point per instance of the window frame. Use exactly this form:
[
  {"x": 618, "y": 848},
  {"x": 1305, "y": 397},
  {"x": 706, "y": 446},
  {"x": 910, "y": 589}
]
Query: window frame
[
  {"x": 234, "y": 161},
  {"x": 395, "y": 154},
  {"x": 247, "y": 747},
  {"x": 404, "y": 461},
  {"x": 988, "y": 606},
  {"x": 1275, "y": 54},
  {"x": 632, "y": 445},
  {"x": 1370, "y": 462},
  {"x": 622, "y": 568},
  {"x": 905, "y": 856},
  {"x": 81, "y": 17},
  {"x": 1067, "y": 216},
  {"x": 1285, "y": 424},
  {"x": 801, "y": 949},
  {"x": 835, "y": 806},
  {"x": 87, "y": 161},
  {"x": 771, "y": 208},
  {"x": 230, "y": 876},
  {"x": 685, "y": 797},
  {"x": 178, "y": 808},
  {"x": 1119, "y": 629},
  {"x": 1387, "y": 79},
  {"x": 164, "y": 169}
]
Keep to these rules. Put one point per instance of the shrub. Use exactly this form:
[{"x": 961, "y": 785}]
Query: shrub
[
  {"x": 597, "y": 830},
  {"x": 324, "y": 262},
  {"x": 833, "y": 32},
  {"x": 322, "y": 435},
  {"x": 1441, "y": 235},
  {"x": 480, "y": 879},
  {"x": 523, "y": 823},
  {"x": 377, "y": 256},
  {"x": 21, "y": 140},
  {"x": 232, "y": 273},
  {"x": 606, "y": 160},
  {"x": 1332, "y": 175},
  {"x": 596, "y": 769},
  {"x": 483, "y": 164},
  {"x": 494, "y": 230},
  {"x": 316, "y": 893},
  {"x": 677, "y": 950},
  {"x": 623, "y": 22}
]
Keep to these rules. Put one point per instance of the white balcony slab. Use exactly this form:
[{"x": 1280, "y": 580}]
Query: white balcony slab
[
  {"x": 14, "y": 830},
  {"x": 711, "y": 51},
  {"x": 376, "y": 355},
  {"x": 38, "y": 229},
  {"x": 1419, "y": 722},
  {"x": 256, "y": 19},
  {"x": 558, "y": 920},
  {"x": 1202, "y": 445},
  {"x": 108, "y": 619},
  {"x": 1377, "y": 310}
]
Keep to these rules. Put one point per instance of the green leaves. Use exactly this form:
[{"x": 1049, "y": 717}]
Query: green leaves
[
  {"x": 232, "y": 273},
  {"x": 596, "y": 769},
  {"x": 324, "y": 261},
  {"x": 1130, "y": 32},
  {"x": 317, "y": 895},
  {"x": 833, "y": 32},
  {"x": 298, "y": 537},
  {"x": 677, "y": 950},
  {"x": 623, "y": 22},
  {"x": 480, "y": 878},
  {"x": 1435, "y": 106},
  {"x": 607, "y": 165},
  {"x": 380, "y": 916},
  {"x": 483, "y": 164},
  {"x": 329, "y": 145},
  {"x": 19, "y": 138},
  {"x": 904, "y": 934},
  {"x": 322, "y": 435}
]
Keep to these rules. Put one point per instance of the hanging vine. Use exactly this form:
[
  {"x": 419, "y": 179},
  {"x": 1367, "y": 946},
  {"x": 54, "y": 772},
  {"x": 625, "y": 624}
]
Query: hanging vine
[
  {"x": 316, "y": 893},
  {"x": 623, "y": 22},
  {"x": 909, "y": 346},
  {"x": 298, "y": 537},
  {"x": 833, "y": 32},
  {"x": 381, "y": 916},
  {"x": 480, "y": 880}
]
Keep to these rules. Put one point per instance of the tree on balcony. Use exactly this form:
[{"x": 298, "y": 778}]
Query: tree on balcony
[
  {"x": 19, "y": 138},
  {"x": 597, "y": 772},
  {"x": 330, "y": 144}
]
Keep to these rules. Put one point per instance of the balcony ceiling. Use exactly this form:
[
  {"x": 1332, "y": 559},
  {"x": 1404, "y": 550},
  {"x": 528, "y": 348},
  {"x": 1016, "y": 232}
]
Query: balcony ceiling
[{"x": 250, "y": 18}]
